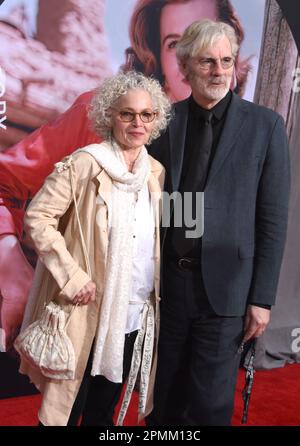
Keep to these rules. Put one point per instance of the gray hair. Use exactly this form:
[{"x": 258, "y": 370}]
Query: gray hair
[
  {"x": 114, "y": 87},
  {"x": 201, "y": 35}
]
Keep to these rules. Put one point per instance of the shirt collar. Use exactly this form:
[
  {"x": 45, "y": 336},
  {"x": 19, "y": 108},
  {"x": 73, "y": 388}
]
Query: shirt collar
[{"x": 218, "y": 110}]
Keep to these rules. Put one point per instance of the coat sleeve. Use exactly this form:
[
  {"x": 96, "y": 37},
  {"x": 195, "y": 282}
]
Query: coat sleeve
[
  {"x": 24, "y": 166},
  {"x": 41, "y": 224},
  {"x": 271, "y": 218}
]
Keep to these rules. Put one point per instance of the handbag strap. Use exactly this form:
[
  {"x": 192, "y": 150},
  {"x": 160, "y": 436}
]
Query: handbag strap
[
  {"x": 62, "y": 166},
  {"x": 86, "y": 257},
  {"x": 85, "y": 253}
]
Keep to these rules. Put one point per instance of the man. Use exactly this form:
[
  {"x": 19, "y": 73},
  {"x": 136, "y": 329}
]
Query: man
[{"x": 218, "y": 289}]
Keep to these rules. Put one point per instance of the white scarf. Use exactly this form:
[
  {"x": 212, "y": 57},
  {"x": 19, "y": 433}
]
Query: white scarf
[{"x": 110, "y": 336}]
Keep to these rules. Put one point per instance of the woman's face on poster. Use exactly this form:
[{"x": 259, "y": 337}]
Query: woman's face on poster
[{"x": 174, "y": 19}]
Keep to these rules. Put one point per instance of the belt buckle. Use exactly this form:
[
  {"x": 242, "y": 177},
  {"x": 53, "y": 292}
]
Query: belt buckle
[{"x": 182, "y": 261}]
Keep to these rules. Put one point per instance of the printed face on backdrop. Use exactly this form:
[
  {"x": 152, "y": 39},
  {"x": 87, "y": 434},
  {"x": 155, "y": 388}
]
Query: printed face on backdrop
[{"x": 174, "y": 19}]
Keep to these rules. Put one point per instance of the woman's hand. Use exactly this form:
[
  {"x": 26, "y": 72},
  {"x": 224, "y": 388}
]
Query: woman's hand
[
  {"x": 86, "y": 295},
  {"x": 16, "y": 276}
]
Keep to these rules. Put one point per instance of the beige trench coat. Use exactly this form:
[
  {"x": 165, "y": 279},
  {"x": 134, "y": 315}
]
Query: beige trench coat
[{"x": 51, "y": 223}]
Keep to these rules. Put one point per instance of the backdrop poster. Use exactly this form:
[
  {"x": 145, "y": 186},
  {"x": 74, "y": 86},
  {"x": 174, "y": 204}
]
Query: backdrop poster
[{"x": 52, "y": 52}]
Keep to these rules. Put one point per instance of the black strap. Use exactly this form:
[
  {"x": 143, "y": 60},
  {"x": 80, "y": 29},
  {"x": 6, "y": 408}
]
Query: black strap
[{"x": 246, "y": 392}]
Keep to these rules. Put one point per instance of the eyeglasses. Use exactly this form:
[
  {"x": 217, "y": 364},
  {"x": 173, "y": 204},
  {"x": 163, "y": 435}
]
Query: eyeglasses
[
  {"x": 207, "y": 63},
  {"x": 128, "y": 116}
]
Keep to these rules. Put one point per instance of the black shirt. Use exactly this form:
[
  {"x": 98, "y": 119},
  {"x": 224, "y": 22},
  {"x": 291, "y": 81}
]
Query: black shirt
[
  {"x": 176, "y": 241},
  {"x": 195, "y": 127}
]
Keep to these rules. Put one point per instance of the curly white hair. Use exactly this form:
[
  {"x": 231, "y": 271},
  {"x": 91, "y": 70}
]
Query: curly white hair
[{"x": 110, "y": 91}]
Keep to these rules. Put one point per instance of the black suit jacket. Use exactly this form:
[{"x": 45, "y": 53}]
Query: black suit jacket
[{"x": 246, "y": 203}]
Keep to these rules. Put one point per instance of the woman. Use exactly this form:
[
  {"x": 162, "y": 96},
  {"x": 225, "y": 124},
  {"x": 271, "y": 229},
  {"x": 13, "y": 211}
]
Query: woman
[
  {"x": 153, "y": 52},
  {"x": 117, "y": 187}
]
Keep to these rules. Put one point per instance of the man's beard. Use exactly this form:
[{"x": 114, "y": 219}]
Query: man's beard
[{"x": 214, "y": 93}]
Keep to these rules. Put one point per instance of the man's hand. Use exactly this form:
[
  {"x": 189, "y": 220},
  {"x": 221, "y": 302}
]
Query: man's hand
[
  {"x": 15, "y": 281},
  {"x": 257, "y": 319},
  {"x": 86, "y": 295}
]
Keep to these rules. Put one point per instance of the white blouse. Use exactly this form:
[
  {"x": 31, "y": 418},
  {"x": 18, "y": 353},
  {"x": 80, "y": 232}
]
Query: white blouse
[{"x": 143, "y": 258}]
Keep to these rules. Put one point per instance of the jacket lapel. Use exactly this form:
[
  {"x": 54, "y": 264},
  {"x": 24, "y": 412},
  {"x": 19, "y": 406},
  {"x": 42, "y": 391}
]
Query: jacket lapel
[
  {"x": 177, "y": 132},
  {"x": 234, "y": 123},
  {"x": 105, "y": 186}
]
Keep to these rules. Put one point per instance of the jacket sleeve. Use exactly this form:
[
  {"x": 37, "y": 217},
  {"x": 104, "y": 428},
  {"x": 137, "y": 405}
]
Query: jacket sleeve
[
  {"x": 24, "y": 166},
  {"x": 271, "y": 218},
  {"x": 41, "y": 224}
]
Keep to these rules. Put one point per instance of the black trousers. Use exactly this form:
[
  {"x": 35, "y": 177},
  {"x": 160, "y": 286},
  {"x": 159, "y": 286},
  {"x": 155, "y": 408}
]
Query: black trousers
[
  {"x": 198, "y": 355},
  {"x": 97, "y": 396}
]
